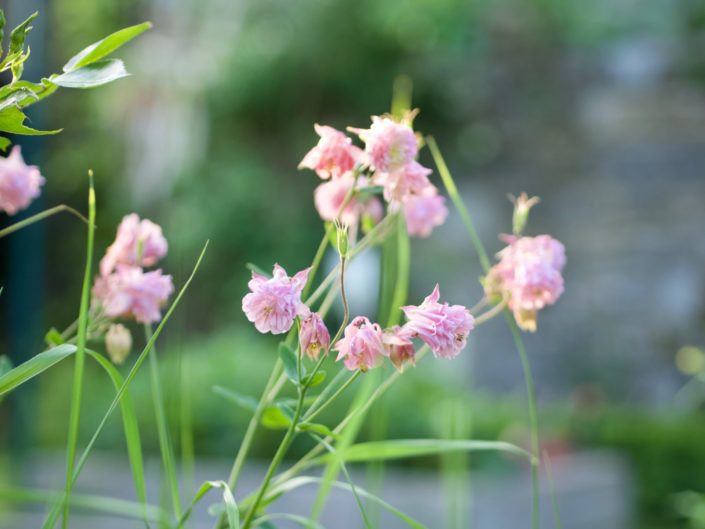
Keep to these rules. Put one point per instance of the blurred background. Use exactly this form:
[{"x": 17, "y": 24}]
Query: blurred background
[{"x": 598, "y": 107}]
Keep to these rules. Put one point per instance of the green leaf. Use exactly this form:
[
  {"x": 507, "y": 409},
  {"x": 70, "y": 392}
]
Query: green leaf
[
  {"x": 12, "y": 121},
  {"x": 106, "y": 46},
  {"x": 5, "y": 364},
  {"x": 274, "y": 418},
  {"x": 404, "y": 448},
  {"x": 317, "y": 379},
  {"x": 4, "y": 143},
  {"x": 130, "y": 427},
  {"x": 320, "y": 429},
  {"x": 53, "y": 338},
  {"x": 19, "y": 34},
  {"x": 369, "y": 191},
  {"x": 264, "y": 522},
  {"x": 288, "y": 356},
  {"x": 231, "y": 508},
  {"x": 244, "y": 401},
  {"x": 95, "y": 74},
  {"x": 33, "y": 367},
  {"x": 2, "y": 28}
]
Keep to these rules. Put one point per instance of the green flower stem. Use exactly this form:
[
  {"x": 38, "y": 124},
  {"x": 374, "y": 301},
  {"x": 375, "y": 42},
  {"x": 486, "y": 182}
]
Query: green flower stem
[
  {"x": 42, "y": 215},
  {"x": 491, "y": 313},
  {"x": 313, "y": 413},
  {"x": 516, "y": 334},
  {"x": 165, "y": 445},
  {"x": 75, "y": 413}
]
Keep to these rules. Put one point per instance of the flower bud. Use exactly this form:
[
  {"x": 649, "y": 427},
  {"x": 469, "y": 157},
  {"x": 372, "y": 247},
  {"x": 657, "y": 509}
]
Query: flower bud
[
  {"x": 522, "y": 206},
  {"x": 342, "y": 231},
  {"x": 314, "y": 336},
  {"x": 118, "y": 343}
]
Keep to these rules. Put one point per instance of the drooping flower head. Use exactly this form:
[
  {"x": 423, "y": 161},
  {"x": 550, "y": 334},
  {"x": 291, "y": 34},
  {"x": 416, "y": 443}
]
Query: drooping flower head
[
  {"x": 314, "y": 336},
  {"x": 529, "y": 272},
  {"x": 400, "y": 348},
  {"x": 118, "y": 343},
  {"x": 130, "y": 291},
  {"x": 137, "y": 243},
  {"x": 362, "y": 345},
  {"x": 444, "y": 328},
  {"x": 388, "y": 143},
  {"x": 329, "y": 197},
  {"x": 334, "y": 155},
  {"x": 424, "y": 211},
  {"x": 273, "y": 303},
  {"x": 19, "y": 182},
  {"x": 409, "y": 178}
]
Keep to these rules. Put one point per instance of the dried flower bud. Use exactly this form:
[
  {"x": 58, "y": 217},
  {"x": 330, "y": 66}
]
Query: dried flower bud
[{"x": 118, "y": 342}]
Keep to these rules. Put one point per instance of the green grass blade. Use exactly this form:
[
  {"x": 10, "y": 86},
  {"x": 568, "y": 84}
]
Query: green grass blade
[
  {"x": 166, "y": 448},
  {"x": 552, "y": 490},
  {"x": 77, "y": 390},
  {"x": 301, "y": 520},
  {"x": 403, "y": 265},
  {"x": 40, "y": 216},
  {"x": 53, "y": 515},
  {"x": 406, "y": 448},
  {"x": 295, "y": 483},
  {"x": 130, "y": 427},
  {"x": 92, "y": 502},
  {"x": 231, "y": 509},
  {"x": 33, "y": 367}
]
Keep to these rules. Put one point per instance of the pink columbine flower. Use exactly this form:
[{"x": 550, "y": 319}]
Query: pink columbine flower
[
  {"x": 400, "y": 348},
  {"x": 362, "y": 345},
  {"x": 130, "y": 291},
  {"x": 388, "y": 144},
  {"x": 334, "y": 155},
  {"x": 410, "y": 178},
  {"x": 275, "y": 302},
  {"x": 137, "y": 243},
  {"x": 424, "y": 211},
  {"x": 329, "y": 197},
  {"x": 314, "y": 336},
  {"x": 444, "y": 328},
  {"x": 529, "y": 272},
  {"x": 19, "y": 182}
]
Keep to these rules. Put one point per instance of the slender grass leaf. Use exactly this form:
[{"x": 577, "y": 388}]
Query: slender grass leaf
[
  {"x": 33, "y": 367},
  {"x": 231, "y": 508},
  {"x": 405, "y": 448},
  {"x": 97, "y": 73},
  {"x": 244, "y": 401},
  {"x": 105, "y": 46},
  {"x": 264, "y": 521}
]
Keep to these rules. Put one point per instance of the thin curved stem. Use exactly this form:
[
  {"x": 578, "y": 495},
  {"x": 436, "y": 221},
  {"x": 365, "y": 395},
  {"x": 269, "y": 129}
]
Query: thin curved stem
[
  {"x": 494, "y": 311},
  {"x": 42, "y": 215},
  {"x": 310, "y": 415}
]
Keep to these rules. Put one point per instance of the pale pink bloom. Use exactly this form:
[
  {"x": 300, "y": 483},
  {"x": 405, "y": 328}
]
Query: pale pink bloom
[
  {"x": 130, "y": 291},
  {"x": 361, "y": 346},
  {"x": 424, "y": 211},
  {"x": 275, "y": 302},
  {"x": 388, "y": 144},
  {"x": 529, "y": 272},
  {"x": 444, "y": 328},
  {"x": 334, "y": 155},
  {"x": 407, "y": 179},
  {"x": 313, "y": 335},
  {"x": 400, "y": 348},
  {"x": 19, "y": 182},
  {"x": 329, "y": 197},
  {"x": 137, "y": 243}
]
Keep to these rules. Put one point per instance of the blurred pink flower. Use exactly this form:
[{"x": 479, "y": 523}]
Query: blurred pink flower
[
  {"x": 314, "y": 336},
  {"x": 409, "y": 178},
  {"x": 399, "y": 346},
  {"x": 131, "y": 291},
  {"x": 329, "y": 196},
  {"x": 444, "y": 328},
  {"x": 137, "y": 243},
  {"x": 529, "y": 272},
  {"x": 361, "y": 346},
  {"x": 389, "y": 144},
  {"x": 424, "y": 211},
  {"x": 275, "y": 302},
  {"x": 19, "y": 182},
  {"x": 334, "y": 155}
]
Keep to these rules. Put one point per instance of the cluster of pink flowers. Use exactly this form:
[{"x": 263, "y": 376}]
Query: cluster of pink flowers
[
  {"x": 529, "y": 275},
  {"x": 389, "y": 161},
  {"x": 19, "y": 183},
  {"x": 124, "y": 288}
]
